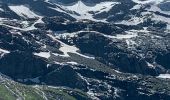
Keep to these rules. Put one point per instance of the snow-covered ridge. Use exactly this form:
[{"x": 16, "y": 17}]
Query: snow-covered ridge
[
  {"x": 43, "y": 54},
  {"x": 23, "y": 11},
  {"x": 165, "y": 76},
  {"x": 1, "y": 9},
  {"x": 148, "y": 1},
  {"x": 155, "y": 8},
  {"x": 66, "y": 49},
  {"x": 85, "y": 10},
  {"x": 4, "y": 51}
]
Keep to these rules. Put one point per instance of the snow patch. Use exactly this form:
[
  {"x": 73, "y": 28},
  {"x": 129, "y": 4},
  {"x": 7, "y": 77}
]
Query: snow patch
[
  {"x": 161, "y": 18},
  {"x": 25, "y": 24},
  {"x": 23, "y": 11},
  {"x": 1, "y": 10},
  {"x": 155, "y": 8},
  {"x": 68, "y": 49},
  {"x": 150, "y": 65},
  {"x": 136, "y": 7},
  {"x": 4, "y": 51},
  {"x": 130, "y": 34},
  {"x": 168, "y": 26},
  {"x": 82, "y": 10},
  {"x": 165, "y": 76},
  {"x": 43, "y": 54},
  {"x": 72, "y": 63},
  {"x": 133, "y": 21},
  {"x": 148, "y": 1}
]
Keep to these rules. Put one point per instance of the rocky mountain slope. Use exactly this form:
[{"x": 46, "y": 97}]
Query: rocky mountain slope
[{"x": 84, "y": 49}]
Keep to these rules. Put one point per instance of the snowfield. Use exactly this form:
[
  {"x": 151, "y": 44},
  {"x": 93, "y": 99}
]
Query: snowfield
[
  {"x": 68, "y": 49},
  {"x": 81, "y": 10},
  {"x": 23, "y": 11},
  {"x": 43, "y": 54},
  {"x": 148, "y": 1},
  {"x": 166, "y": 76}
]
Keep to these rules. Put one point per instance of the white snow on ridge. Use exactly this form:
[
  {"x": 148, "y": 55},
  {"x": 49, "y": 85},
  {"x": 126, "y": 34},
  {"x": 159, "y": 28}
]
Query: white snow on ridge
[
  {"x": 168, "y": 27},
  {"x": 129, "y": 35},
  {"x": 138, "y": 6},
  {"x": 133, "y": 21},
  {"x": 84, "y": 9},
  {"x": 43, "y": 54},
  {"x": 68, "y": 49},
  {"x": 161, "y": 18},
  {"x": 150, "y": 65},
  {"x": 165, "y": 76},
  {"x": 4, "y": 51},
  {"x": 148, "y": 1},
  {"x": 26, "y": 24},
  {"x": 23, "y": 11},
  {"x": 72, "y": 63},
  {"x": 156, "y": 17},
  {"x": 32, "y": 27},
  {"x": 155, "y": 8},
  {"x": 1, "y": 9}
]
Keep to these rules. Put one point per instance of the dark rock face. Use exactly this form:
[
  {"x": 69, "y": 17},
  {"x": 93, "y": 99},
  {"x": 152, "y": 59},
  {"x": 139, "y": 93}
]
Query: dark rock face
[
  {"x": 164, "y": 60},
  {"x": 22, "y": 65},
  {"x": 110, "y": 52},
  {"x": 64, "y": 76},
  {"x": 165, "y": 6}
]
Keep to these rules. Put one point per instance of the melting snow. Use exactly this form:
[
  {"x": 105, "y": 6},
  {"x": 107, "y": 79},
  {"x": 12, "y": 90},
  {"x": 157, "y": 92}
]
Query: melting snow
[
  {"x": 4, "y": 51},
  {"x": 23, "y": 11},
  {"x": 32, "y": 27},
  {"x": 43, "y": 54},
  {"x": 150, "y": 65},
  {"x": 1, "y": 9},
  {"x": 164, "y": 76},
  {"x": 68, "y": 49},
  {"x": 83, "y": 9},
  {"x": 148, "y": 1},
  {"x": 155, "y": 8},
  {"x": 168, "y": 26},
  {"x": 133, "y": 21},
  {"x": 72, "y": 63},
  {"x": 161, "y": 18},
  {"x": 130, "y": 34}
]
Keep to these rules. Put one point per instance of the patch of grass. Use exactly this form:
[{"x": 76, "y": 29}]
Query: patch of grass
[
  {"x": 60, "y": 94},
  {"x": 32, "y": 96},
  {"x": 5, "y": 94}
]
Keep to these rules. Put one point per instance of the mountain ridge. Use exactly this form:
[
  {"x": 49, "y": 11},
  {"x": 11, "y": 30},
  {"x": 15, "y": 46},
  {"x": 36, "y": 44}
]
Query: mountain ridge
[{"x": 108, "y": 50}]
